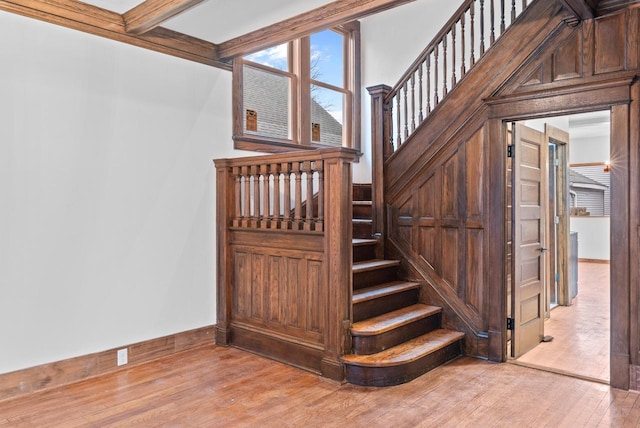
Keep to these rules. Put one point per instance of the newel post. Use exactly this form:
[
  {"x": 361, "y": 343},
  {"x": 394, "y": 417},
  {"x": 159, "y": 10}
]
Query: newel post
[
  {"x": 381, "y": 149},
  {"x": 338, "y": 257},
  {"x": 224, "y": 214}
]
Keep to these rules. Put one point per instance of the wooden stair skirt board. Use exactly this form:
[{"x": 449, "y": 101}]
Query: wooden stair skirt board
[{"x": 394, "y": 337}]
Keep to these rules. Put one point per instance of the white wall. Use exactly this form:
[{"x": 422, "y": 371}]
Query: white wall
[
  {"x": 593, "y": 237},
  {"x": 107, "y": 229},
  {"x": 107, "y": 191},
  {"x": 391, "y": 41},
  {"x": 589, "y": 149}
]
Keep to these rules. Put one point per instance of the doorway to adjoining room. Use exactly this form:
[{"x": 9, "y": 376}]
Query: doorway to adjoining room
[{"x": 559, "y": 269}]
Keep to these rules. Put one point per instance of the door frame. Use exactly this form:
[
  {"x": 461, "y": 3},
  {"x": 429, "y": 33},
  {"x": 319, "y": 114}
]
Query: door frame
[{"x": 621, "y": 97}]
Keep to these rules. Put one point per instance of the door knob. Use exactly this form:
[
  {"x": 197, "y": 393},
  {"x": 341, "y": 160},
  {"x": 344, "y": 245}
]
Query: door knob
[{"x": 543, "y": 249}]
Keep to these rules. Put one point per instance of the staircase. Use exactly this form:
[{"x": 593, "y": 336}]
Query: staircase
[{"x": 394, "y": 337}]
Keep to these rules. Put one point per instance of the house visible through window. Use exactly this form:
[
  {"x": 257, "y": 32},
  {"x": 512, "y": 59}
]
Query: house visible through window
[{"x": 300, "y": 93}]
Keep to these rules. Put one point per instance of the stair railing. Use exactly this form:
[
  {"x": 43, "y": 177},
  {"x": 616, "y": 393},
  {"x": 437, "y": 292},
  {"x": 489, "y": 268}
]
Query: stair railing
[
  {"x": 266, "y": 211},
  {"x": 453, "y": 52}
]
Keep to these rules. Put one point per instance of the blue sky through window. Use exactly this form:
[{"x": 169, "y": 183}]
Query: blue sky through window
[{"x": 327, "y": 66}]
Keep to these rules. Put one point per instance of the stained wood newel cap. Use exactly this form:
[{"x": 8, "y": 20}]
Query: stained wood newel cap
[{"x": 379, "y": 89}]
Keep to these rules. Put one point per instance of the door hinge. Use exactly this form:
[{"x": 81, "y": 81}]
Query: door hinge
[
  {"x": 557, "y": 162},
  {"x": 511, "y": 150},
  {"x": 557, "y": 277},
  {"x": 510, "y": 323},
  {"x": 557, "y": 219}
]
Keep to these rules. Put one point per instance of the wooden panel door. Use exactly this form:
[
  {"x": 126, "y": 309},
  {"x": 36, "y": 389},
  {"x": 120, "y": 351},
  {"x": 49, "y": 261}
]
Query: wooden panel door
[{"x": 529, "y": 201}]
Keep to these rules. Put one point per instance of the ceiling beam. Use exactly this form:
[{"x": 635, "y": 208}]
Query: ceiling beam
[
  {"x": 329, "y": 15},
  {"x": 582, "y": 9},
  {"x": 151, "y": 13},
  {"x": 101, "y": 22}
]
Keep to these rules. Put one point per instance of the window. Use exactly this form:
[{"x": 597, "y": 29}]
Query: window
[{"x": 304, "y": 93}]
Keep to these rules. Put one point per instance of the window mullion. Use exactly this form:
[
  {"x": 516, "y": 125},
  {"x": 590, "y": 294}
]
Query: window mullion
[{"x": 303, "y": 71}]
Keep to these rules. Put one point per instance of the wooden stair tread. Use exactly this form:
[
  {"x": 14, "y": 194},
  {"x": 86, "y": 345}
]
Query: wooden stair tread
[
  {"x": 368, "y": 265},
  {"x": 391, "y": 320},
  {"x": 362, "y": 221},
  {"x": 406, "y": 352},
  {"x": 370, "y": 293},
  {"x": 359, "y": 242},
  {"x": 363, "y": 203}
]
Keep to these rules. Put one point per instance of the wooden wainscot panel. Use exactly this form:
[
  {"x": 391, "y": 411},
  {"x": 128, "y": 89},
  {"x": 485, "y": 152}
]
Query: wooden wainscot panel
[
  {"x": 402, "y": 220},
  {"x": 633, "y": 39},
  {"x": 474, "y": 297},
  {"x": 567, "y": 59},
  {"x": 445, "y": 204},
  {"x": 283, "y": 290},
  {"x": 610, "y": 43},
  {"x": 449, "y": 257},
  {"x": 475, "y": 177}
]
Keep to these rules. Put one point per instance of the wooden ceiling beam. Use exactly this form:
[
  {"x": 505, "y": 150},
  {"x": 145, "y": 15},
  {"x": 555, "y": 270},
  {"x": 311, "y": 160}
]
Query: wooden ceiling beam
[
  {"x": 100, "y": 22},
  {"x": 151, "y": 13},
  {"x": 329, "y": 15}
]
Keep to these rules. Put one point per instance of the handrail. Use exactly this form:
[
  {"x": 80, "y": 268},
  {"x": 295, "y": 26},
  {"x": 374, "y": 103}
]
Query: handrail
[{"x": 453, "y": 52}]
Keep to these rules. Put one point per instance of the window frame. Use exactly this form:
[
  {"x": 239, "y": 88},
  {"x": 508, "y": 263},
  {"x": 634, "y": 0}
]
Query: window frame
[{"x": 299, "y": 71}]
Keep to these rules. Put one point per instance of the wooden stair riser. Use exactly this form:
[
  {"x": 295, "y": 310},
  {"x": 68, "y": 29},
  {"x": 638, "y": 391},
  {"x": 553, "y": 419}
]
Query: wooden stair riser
[
  {"x": 374, "y": 307},
  {"x": 367, "y": 345},
  {"x": 362, "y": 192},
  {"x": 374, "y": 277},
  {"x": 362, "y": 230},
  {"x": 396, "y": 375},
  {"x": 361, "y": 211},
  {"x": 364, "y": 252}
]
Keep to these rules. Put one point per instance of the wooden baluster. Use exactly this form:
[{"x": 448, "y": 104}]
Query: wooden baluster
[
  {"x": 309, "y": 216},
  {"x": 420, "y": 115},
  {"x": 286, "y": 170},
  {"x": 399, "y": 130},
  {"x": 266, "y": 196},
  {"x": 237, "y": 197},
  {"x": 413, "y": 101},
  {"x": 276, "y": 219},
  {"x": 246, "y": 218},
  {"x": 493, "y": 22},
  {"x": 444, "y": 66},
  {"x": 297, "y": 219},
  {"x": 428, "y": 65},
  {"x": 406, "y": 110},
  {"x": 463, "y": 46},
  {"x": 472, "y": 58},
  {"x": 513, "y": 9},
  {"x": 453, "y": 56},
  {"x": 436, "y": 99},
  {"x": 481, "y": 27},
  {"x": 524, "y": 4},
  {"x": 255, "y": 172},
  {"x": 502, "y": 17},
  {"x": 319, "y": 165},
  {"x": 389, "y": 129}
]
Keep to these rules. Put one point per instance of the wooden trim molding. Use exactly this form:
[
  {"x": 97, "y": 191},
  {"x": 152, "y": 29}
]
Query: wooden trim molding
[
  {"x": 605, "y": 262},
  {"x": 151, "y": 13},
  {"x": 63, "y": 372},
  {"x": 582, "y": 9},
  {"x": 101, "y": 22},
  {"x": 327, "y": 16}
]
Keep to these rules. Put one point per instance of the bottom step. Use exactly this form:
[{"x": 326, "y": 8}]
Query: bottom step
[{"x": 404, "y": 362}]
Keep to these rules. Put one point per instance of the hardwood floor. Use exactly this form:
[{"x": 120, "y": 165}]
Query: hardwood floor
[
  {"x": 225, "y": 387},
  {"x": 580, "y": 332}
]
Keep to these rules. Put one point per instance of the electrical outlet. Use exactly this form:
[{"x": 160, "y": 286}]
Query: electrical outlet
[{"x": 122, "y": 357}]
